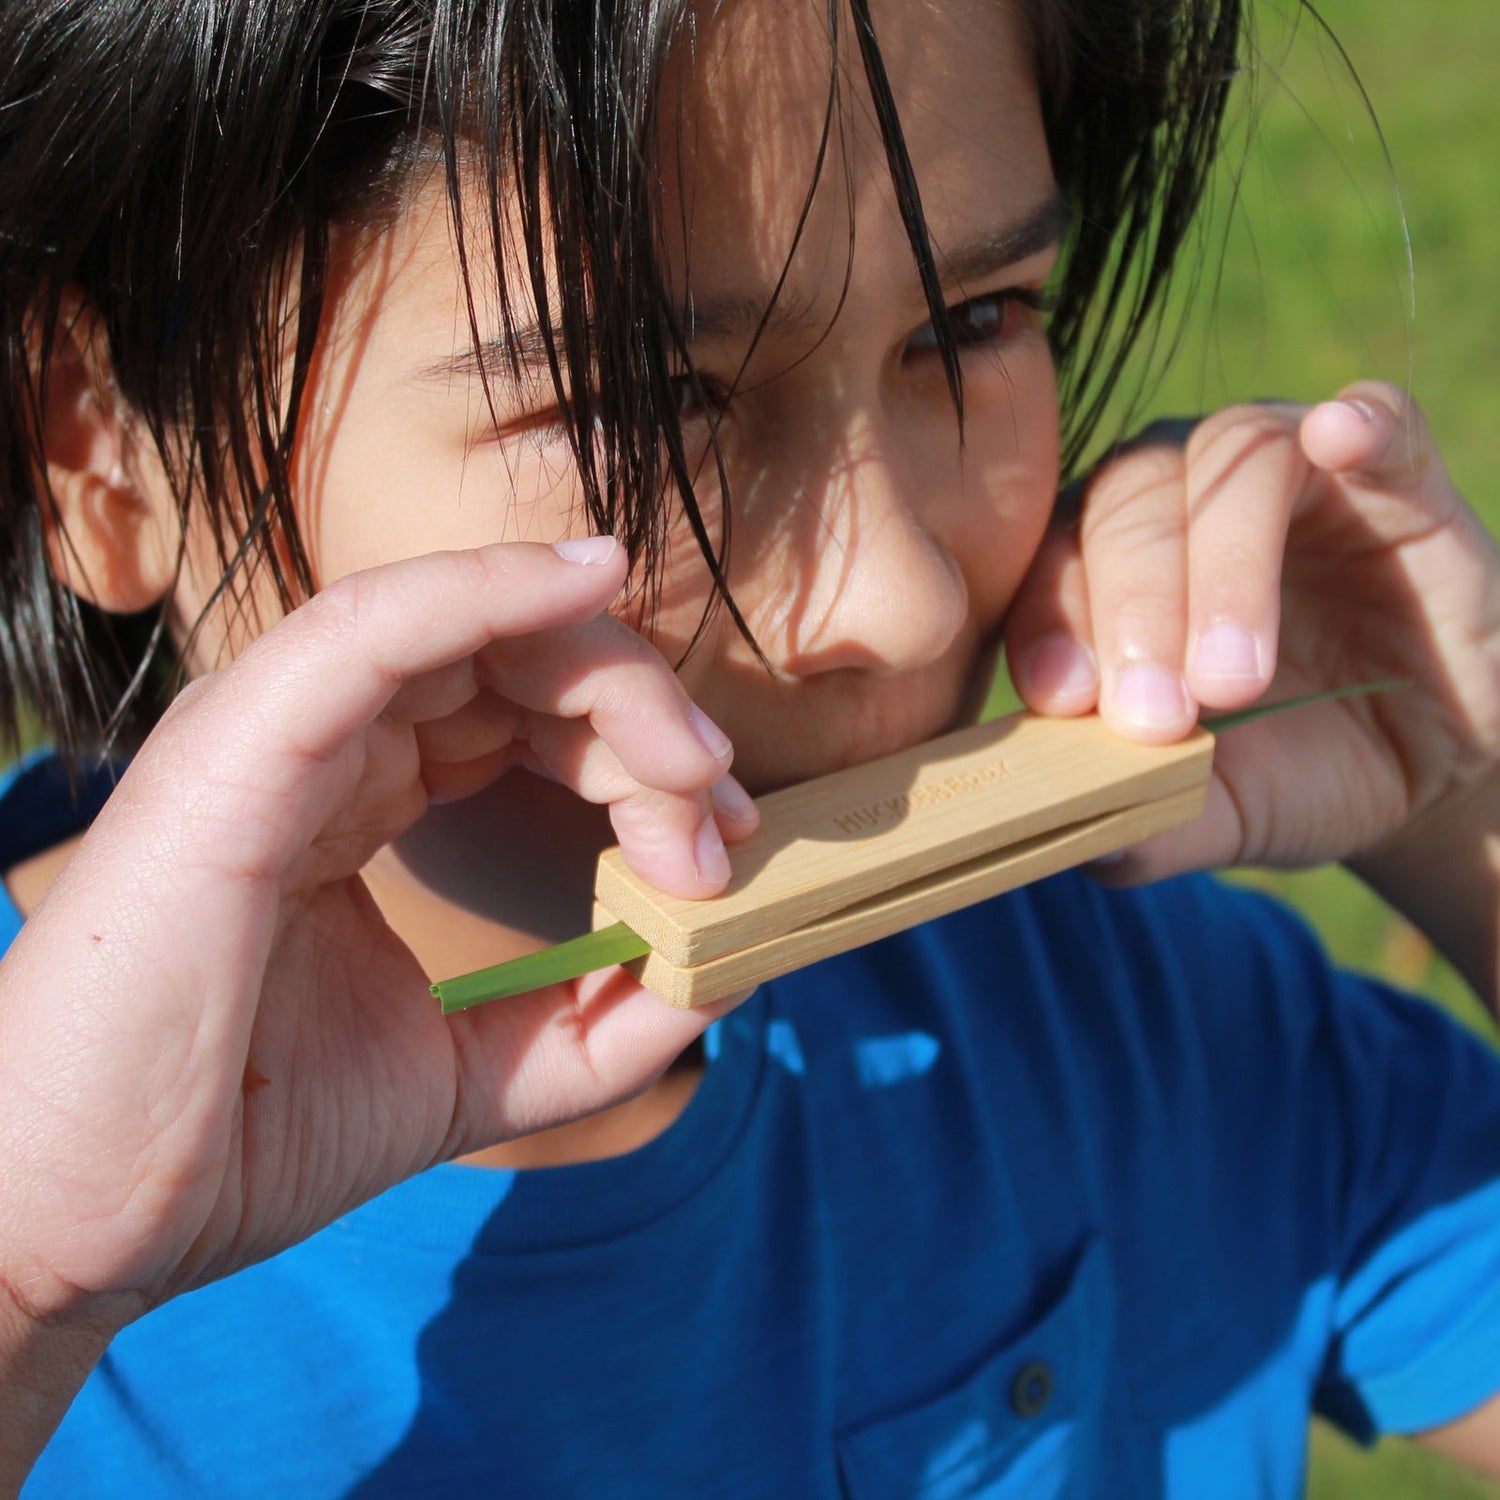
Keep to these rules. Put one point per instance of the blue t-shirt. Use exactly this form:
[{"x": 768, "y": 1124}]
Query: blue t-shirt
[
  {"x": 1075, "y": 1193},
  {"x": 41, "y": 806}
]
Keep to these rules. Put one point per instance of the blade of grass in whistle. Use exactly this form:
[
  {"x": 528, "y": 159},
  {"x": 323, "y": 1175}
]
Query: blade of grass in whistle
[
  {"x": 1223, "y": 723},
  {"x": 570, "y": 960}
]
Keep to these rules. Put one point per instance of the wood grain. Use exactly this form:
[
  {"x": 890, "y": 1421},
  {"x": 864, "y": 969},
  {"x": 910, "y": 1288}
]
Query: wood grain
[
  {"x": 894, "y": 911},
  {"x": 863, "y": 853}
]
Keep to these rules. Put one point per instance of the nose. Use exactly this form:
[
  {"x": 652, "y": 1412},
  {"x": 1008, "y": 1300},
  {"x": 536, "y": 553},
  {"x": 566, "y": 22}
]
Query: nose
[{"x": 864, "y": 578}]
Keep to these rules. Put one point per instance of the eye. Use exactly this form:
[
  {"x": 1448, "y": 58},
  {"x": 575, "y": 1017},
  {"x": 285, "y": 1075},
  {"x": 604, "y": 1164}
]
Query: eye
[
  {"x": 704, "y": 397},
  {"x": 981, "y": 320}
]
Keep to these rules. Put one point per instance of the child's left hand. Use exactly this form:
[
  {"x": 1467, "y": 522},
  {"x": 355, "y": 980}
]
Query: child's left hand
[{"x": 1293, "y": 549}]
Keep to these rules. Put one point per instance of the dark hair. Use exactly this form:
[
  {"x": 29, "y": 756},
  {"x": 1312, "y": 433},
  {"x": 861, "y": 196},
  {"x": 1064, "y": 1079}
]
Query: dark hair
[{"x": 180, "y": 167}]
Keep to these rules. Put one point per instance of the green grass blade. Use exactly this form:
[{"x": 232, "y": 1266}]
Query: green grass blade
[
  {"x": 1223, "y": 723},
  {"x": 569, "y": 960}
]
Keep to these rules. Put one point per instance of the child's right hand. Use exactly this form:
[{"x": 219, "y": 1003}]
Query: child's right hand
[{"x": 211, "y": 1043}]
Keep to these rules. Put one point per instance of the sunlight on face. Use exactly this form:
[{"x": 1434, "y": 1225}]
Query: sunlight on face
[{"x": 873, "y": 557}]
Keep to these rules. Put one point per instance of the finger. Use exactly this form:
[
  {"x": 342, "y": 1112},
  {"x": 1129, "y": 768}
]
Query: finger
[
  {"x": 663, "y": 837},
  {"x": 672, "y": 841},
  {"x": 614, "y": 723},
  {"x": 246, "y": 770},
  {"x": 677, "y": 842},
  {"x": 452, "y": 781},
  {"x": 342, "y": 658},
  {"x": 493, "y": 730},
  {"x": 434, "y": 695},
  {"x": 607, "y": 674},
  {"x": 552, "y": 1055},
  {"x": 1211, "y": 842},
  {"x": 1134, "y": 547},
  {"x": 478, "y": 741},
  {"x": 590, "y": 667},
  {"x": 1375, "y": 439},
  {"x": 1246, "y": 474},
  {"x": 1047, "y": 633},
  {"x": 1372, "y": 429},
  {"x": 482, "y": 727},
  {"x": 734, "y": 809},
  {"x": 270, "y": 748}
]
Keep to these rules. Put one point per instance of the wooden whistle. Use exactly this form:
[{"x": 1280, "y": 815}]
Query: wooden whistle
[
  {"x": 859, "y": 854},
  {"x": 863, "y": 853},
  {"x": 866, "y": 852}
]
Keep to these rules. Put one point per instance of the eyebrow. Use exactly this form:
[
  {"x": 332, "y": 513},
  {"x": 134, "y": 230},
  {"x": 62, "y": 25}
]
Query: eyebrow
[
  {"x": 977, "y": 260},
  {"x": 718, "y": 320},
  {"x": 723, "y": 318}
]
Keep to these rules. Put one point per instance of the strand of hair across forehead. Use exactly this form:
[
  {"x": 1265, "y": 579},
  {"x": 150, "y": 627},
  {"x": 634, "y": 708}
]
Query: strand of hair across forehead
[{"x": 909, "y": 200}]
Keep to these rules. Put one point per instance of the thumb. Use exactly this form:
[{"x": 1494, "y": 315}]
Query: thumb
[
  {"x": 1375, "y": 432},
  {"x": 1212, "y": 841}
]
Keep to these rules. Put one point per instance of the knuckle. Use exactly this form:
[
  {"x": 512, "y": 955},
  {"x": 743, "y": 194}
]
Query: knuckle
[
  {"x": 1227, "y": 437},
  {"x": 345, "y": 624},
  {"x": 1146, "y": 614},
  {"x": 190, "y": 698},
  {"x": 654, "y": 822},
  {"x": 334, "y": 613},
  {"x": 1232, "y": 566},
  {"x": 602, "y": 780},
  {"x": 493, "y": 565},
  {"x": 614, "y": 701},
  {"x": 1134, "y": 528},
  {"x": 1131, "y": 474}
]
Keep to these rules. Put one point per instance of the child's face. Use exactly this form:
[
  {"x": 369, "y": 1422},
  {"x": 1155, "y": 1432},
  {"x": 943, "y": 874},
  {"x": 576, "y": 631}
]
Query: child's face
[{"x": 873, "y": 559}]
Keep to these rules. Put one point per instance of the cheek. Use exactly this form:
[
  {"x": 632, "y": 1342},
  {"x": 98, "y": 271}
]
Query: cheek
[
  {"x": 683, "y": 583},
  {"x": 986, "y": 506},
  {"x": 386, "y": 485},
  {"x": 1007, "y": 477}
]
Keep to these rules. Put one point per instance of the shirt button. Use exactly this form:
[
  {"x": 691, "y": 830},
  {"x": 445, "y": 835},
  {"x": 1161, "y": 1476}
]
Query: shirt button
[{"x": 1031, "y": 1389}]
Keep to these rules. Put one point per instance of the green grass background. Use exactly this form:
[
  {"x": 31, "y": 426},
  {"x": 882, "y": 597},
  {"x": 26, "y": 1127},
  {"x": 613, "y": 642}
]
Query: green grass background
[
  {"x": 1314, "y": 293},
  {"x": 1354, "y": 231}
]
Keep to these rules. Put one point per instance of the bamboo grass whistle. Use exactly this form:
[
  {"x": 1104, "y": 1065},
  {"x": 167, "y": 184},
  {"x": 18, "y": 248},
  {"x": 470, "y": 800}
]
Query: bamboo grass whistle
[{"x": 860, "y": 854}]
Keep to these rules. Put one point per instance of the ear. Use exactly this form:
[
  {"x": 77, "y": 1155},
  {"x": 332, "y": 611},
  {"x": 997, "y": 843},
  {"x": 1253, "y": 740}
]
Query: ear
[{"x": 112, "y": 529}]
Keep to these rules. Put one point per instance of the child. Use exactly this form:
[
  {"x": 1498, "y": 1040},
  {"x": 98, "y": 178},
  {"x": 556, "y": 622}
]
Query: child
[{"x": 405, "y": 373}]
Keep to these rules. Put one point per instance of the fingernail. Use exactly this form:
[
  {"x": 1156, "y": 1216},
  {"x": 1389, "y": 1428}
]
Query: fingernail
[
  {"x": 709, "y": 858},
  {"x": 588, "y": 550},
  {"x": 1060, "y": 667},
  {"x": 1228, "y": 653},
  {"x": 1364, "y": 409},
  {"x": 710, "y": 736},
  {"x": 732, "y": 801},
  {"x": 1151, "y": 697}
]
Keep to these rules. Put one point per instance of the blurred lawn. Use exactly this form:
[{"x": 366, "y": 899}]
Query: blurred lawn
[{"x": 1315, "y": 293}]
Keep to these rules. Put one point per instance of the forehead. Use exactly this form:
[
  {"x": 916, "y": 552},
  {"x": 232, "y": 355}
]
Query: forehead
[
  {"x": 764, "y": 104},
  {"x": 757, "y": 106}
]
